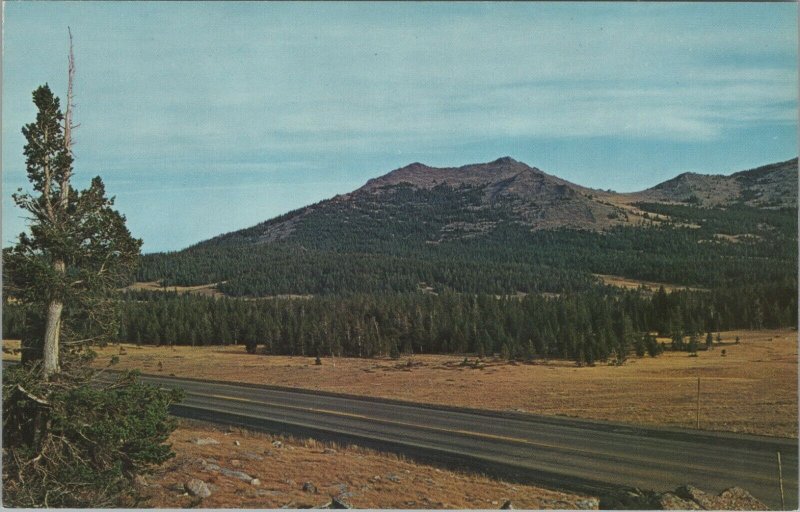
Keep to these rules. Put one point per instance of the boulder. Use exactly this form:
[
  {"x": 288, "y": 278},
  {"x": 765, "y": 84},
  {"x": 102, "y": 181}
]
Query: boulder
[
  {"x": 705, "y": 500},
  {"x": 197, "y": 488},
  {"x": 241, "y": 475}
]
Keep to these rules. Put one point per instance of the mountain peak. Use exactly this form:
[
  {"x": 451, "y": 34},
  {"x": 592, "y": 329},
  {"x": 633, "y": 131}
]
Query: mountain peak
[{"x": 505, "y": 160}]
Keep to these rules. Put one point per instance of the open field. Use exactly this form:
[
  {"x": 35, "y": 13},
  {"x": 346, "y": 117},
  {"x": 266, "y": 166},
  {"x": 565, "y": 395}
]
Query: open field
[
  {"x": 633, "y": 284},
  {"x": 360, "y": 477},
  {"x": 208, "y": 290},
  {"x": 752, "y": 389}
]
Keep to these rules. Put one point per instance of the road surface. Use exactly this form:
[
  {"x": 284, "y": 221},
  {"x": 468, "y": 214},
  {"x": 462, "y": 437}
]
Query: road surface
[
  {"x": 566, "y": 453},
  {"x": 571, "y": 454}
]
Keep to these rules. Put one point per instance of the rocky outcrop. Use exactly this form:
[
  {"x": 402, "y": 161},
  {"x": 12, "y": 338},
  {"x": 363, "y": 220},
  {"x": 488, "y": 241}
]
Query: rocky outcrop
[{"x": 685, "y": 497}]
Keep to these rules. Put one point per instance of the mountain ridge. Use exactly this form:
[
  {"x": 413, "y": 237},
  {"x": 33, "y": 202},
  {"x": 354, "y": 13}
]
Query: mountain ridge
[{"x": 540, "y": 200}]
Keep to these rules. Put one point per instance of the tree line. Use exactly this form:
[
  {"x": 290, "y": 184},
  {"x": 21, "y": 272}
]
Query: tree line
[{"x": 604, "y": 323}]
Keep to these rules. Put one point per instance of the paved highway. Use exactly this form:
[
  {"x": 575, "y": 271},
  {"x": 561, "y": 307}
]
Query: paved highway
[
  {"x": 566, "y": 453},
  {"x": 570, "y": 454}
]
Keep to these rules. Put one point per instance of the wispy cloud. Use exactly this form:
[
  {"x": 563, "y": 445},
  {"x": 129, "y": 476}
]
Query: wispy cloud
[{"x": 311, "y": 87}]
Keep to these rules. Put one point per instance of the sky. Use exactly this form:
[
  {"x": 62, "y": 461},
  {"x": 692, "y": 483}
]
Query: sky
[{"x": 204, "y": 118}]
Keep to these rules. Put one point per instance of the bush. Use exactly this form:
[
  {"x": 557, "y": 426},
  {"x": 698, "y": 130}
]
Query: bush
[{"x": 78, "y": 442}]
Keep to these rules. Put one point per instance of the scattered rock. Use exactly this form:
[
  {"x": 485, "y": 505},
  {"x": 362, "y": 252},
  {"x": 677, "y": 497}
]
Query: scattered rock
[
  {"x": 393, "y": 478},
  {"x": 277, "y": 444},
  {"x": 309, "y": 487},
  {"x": 507, "y": 505},
  {"x": 329, "y": 451},
  {"x": 737, "y": 498},
  {"x": 253, "y": 456},
  {"x": 212, "y": 467},
  {"x": 204, "y": 441},
  {"x": 197, "y": 488},
  {"x": 237, "y": 443},
  {"x": 255, "y": 482}
]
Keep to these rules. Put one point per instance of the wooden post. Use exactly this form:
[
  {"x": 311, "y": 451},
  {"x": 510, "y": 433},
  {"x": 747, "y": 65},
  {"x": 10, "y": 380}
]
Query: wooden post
[
  {"x": 780, "y": 481},
  {"x": 697, "y": 416}
]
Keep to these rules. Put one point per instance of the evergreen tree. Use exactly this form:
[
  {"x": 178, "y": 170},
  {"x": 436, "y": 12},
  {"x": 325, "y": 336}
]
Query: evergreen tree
[{"x": 70, "y": 440}]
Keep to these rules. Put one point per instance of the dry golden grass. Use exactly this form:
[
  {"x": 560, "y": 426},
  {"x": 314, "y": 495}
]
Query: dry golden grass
[
  {"x": 208, "y": 290},
  {"x": 364, "y": 478},
  {"x": 633, "y": 284},
  {"x": 753, "y": 389}
]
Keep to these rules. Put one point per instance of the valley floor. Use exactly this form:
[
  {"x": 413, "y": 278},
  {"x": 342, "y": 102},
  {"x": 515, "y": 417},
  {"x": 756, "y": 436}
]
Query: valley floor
[
  {"x": 751, "y": 389},
  {"x": 359, "y": 477}
]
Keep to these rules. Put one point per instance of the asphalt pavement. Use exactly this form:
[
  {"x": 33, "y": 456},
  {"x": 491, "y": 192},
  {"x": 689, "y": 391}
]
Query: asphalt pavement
[{"x": 570, "y": 454}]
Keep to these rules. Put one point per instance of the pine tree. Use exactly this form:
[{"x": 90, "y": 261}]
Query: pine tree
[
  {"x": 70, "y": 440},
  {"x": 78, "y": 248}
]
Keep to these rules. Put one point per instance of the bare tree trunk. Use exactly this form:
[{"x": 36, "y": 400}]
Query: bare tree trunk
[{"x": 52, "y": 332}]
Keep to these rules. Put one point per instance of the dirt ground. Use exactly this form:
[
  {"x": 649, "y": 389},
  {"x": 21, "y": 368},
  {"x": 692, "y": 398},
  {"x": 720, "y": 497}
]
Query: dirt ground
[
  {"x": 750, "y": 389},
  {"x": 359, "y": 477}
]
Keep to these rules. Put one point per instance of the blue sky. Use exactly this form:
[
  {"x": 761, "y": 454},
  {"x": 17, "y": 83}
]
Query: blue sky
[{"x": 208, "y": 117}]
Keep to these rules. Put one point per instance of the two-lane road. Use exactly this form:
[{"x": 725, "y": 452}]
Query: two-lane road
[{"x": 566, "y": 453}]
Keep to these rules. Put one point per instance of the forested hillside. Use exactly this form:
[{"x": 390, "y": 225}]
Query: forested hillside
[{"x": 489, "y": 258}]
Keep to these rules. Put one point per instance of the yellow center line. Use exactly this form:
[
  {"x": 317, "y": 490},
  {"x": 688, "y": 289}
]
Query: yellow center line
[{"x": 537, "y": 444}]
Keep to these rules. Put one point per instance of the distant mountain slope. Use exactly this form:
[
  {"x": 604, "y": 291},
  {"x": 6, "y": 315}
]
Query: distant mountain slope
[
  {"x": 770, "y": 186},
  {"x": 537, "y": 200},
  {"x": 505, "y": 227}
]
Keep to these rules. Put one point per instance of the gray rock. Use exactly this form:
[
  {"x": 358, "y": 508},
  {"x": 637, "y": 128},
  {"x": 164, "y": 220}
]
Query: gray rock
[
  {"x": 329, "y": 451},
  {"x": 277, "y": 444},
  {"x": 212, "y": 467},
  {"x": 236, "y": 474},
  {"x": 253, "y": 456},
  {"x": 255, "y": 482},
  {"x": 705, "y": 500},
  {"x": 309, "y": 487},
  {"x": 507, "y": 505},
  {"x": 197, "y": 488},
  {"x": 204, "y": 441},
  {"x": 393, "y": 478},
  {"x": 588, "y": 504}
]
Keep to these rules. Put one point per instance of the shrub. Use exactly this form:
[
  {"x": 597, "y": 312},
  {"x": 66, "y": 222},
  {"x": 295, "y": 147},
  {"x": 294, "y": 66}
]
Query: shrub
[{"x": 77, "y": 441}]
